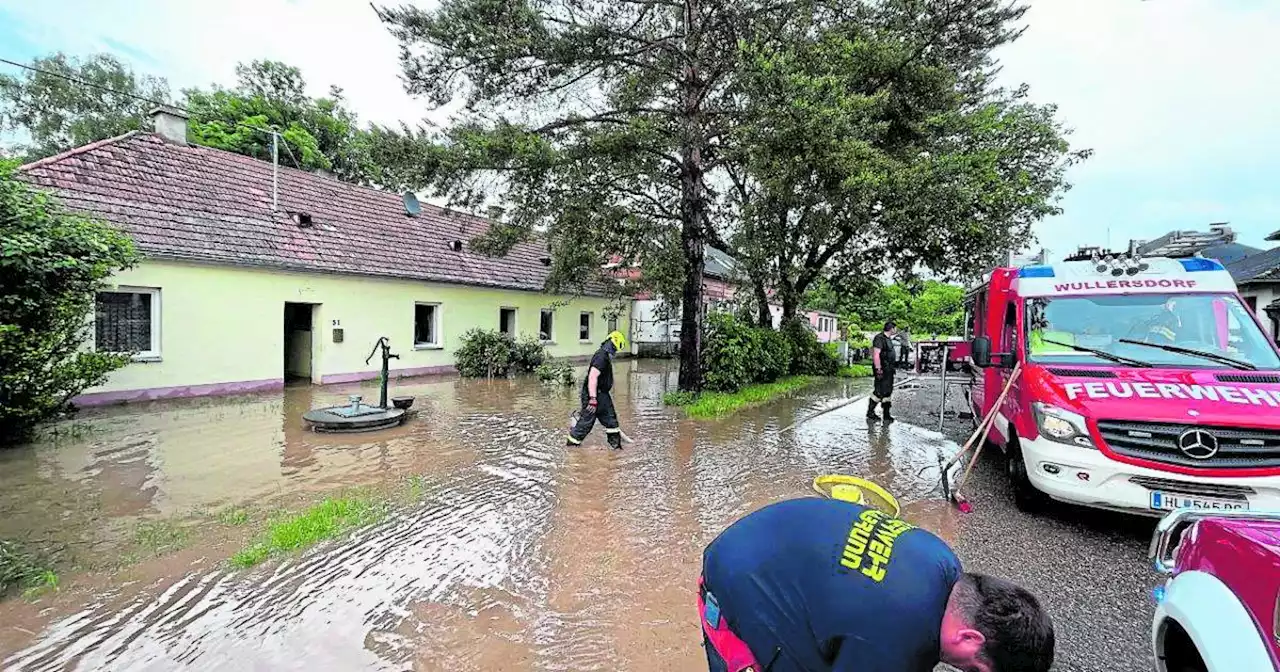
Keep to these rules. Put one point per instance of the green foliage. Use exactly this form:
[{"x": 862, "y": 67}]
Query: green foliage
[
  {"x": 488, "y": 353},
  {"x": 323, "y": 521},
  {"x": 321, "y": 133},
  {"x": 484, "y": 353},
  {"x": 808, "y": 356},
  {"x": 559, "y": 373},
  {"x": 51, "y": 266},
  {"x": 160, "y": 536},
  {"x": 877, "y": 143},
  {"x": 731, "y": 354},
  {"x": 855, "y": 371},
  {"x": 22, "y": 569},
  {"x": 58, "y": 114},
  {"x": 527, "y": 354},
  {"x": 929, "y": 307},
  {"x": 720, "y": 404}
]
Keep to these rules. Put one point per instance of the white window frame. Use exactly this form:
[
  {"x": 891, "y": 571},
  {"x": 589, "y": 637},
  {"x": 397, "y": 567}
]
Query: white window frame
[
  {"x": 152, "y": 355},
  {"x": 551, "y": 335},
  {"x": 590, "y": 318},
  {"x": 439, "y": 326},
  {"x": 515, "y": 320}
]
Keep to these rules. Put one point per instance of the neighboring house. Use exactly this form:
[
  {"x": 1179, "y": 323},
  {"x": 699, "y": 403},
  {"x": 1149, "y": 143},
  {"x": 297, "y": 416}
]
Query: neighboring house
[
  {"x": 1219, "y": 242},
  {"x": 235, "y": 294},
  {"x": 1258, "y": 278},
  {"x": 657, "y": 331},
  {"x": 825, "y": 325}
]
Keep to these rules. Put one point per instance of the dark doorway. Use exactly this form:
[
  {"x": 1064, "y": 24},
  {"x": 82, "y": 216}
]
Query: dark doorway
[{"x": 297, "y": 341}]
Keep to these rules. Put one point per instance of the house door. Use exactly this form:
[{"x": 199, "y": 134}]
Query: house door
[{"x": 298, "y": 344}]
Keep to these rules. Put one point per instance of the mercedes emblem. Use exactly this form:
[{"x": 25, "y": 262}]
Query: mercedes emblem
[{"x": 1198, "y": 444}]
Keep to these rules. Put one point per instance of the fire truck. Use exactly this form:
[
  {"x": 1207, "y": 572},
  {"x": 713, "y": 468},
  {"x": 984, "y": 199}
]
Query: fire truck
[{"x": 1143, "y": 385}]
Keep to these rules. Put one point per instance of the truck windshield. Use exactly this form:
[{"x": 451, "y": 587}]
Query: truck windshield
[{"x": 1212, "y": 324}]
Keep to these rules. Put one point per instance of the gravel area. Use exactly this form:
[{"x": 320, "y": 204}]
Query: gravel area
[{"x": 1089, "y": 567}]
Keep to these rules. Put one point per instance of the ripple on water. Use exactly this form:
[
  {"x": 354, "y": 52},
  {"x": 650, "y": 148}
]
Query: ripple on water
[{"x": 520, "y": 554}]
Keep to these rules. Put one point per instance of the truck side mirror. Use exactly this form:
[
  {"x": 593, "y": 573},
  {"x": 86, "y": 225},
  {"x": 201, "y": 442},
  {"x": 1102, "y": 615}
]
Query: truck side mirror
[
  {"x": 981, "y": 349},
  {"x": 1008, "y": 360}
]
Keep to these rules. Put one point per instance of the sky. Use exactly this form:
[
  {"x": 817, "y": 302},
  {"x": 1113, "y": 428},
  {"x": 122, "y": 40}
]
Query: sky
[{"x": 1177, "y": 98}]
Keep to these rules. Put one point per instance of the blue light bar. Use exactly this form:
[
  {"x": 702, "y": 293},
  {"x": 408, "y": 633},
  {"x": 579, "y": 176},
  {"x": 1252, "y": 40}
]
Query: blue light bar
[
  {"x": 1199, "y": 264},
  {"x": 1035, "y": 272}
]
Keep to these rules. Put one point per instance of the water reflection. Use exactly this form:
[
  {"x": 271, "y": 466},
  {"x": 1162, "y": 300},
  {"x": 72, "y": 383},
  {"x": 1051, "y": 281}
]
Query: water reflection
[{"x": 521, "y": 554}]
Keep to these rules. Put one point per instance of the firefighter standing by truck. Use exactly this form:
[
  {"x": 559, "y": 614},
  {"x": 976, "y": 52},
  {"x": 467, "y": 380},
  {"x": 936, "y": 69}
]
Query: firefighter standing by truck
[
  {"x": 597, "y": 398},
  {"x": 883, "y": 364}
]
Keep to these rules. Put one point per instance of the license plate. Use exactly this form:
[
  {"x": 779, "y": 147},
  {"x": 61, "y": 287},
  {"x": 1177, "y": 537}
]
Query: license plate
[{"x": 1165, "y": 501}]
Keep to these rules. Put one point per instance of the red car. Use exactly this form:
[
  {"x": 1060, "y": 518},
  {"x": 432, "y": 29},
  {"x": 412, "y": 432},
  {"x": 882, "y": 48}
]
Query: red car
[{"x": 1219, "y": 610}]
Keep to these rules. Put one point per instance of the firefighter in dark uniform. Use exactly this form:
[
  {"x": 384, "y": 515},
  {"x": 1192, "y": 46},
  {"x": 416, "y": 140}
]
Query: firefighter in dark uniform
[
  {"x": 882, "y": 363},
  {"x": 597, "y": 402},
  {"x": 1166, "y": 325}
]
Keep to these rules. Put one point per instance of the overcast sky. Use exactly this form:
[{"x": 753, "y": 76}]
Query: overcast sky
[{"x": 1179, "y": 98}]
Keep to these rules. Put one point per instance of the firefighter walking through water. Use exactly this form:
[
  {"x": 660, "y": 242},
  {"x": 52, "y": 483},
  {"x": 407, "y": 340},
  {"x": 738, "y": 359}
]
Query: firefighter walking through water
[
  {"x": 597, "y": 397},
  {"x": 883, "y": 363}
]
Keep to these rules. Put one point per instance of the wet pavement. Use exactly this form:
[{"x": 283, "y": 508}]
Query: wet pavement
[{"x": 515, "y": 553}]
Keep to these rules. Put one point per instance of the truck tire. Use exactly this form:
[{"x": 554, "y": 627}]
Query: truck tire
[{"x": 1025, "y": 495}]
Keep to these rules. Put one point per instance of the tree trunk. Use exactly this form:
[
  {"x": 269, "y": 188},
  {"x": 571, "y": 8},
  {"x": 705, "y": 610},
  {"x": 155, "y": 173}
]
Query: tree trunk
[
  {"x": 692, "y": 206},
  {"x": 790, "y": 299},
  {"x": 762, "y": 299}
]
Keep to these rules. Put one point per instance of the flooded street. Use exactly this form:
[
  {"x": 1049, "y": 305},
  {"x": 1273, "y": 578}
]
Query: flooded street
[{"x": 514, "y": 552}]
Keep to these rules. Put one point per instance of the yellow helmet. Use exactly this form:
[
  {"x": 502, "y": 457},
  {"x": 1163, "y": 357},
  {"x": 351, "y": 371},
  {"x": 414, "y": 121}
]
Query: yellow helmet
[{"x": 619, "y": 341}]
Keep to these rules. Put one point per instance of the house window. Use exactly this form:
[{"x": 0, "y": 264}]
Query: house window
[
  {"x": 613, "y": 323},
  {"x": 584, "y": 327},
  {"x": 507, "y": 321},
  {"x": 128, "y": 320},
  {"x": 426, "y": 325},
  {"x": 547, "y": 326},
  {"x": 1252, "y": 302}
]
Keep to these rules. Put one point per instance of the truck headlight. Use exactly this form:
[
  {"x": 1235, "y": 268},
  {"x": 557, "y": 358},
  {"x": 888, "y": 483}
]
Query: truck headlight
[{"x": 1061, "y": 425}]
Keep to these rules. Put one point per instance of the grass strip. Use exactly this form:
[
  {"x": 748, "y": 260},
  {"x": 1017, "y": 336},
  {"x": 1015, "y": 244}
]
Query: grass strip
[
  {"x": 855, "y": 371},
  {"x": 322, "y": 521},
  {"x": 720, "y": 404},
  {"x": 20, "y": 568}
]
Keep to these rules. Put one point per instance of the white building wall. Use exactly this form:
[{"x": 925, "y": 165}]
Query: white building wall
[{"x": 1263, "y": 295}]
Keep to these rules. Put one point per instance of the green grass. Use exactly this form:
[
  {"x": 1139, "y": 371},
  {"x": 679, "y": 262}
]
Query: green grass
[
  {"x": 855, "y": 371},
  {"x": 233, "y": 517},
  {"x": 20, "y": 568},
  {"x": 159, "y": 536},
  {"x": 720, "y": 404},
  {"x": 322, "y": 521}
]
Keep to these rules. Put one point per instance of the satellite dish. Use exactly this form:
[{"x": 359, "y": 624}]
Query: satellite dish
[{"x": 411, "y": 206}]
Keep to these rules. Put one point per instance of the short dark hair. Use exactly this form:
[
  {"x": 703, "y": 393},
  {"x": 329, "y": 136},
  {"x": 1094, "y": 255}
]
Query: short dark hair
[
  {"x": 1018, "y": 632},
  {"x": 890, "y": 325}
]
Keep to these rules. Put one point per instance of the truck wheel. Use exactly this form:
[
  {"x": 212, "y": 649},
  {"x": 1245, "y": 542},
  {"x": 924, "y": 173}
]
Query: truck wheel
[{"x": 1025, "y": 495}]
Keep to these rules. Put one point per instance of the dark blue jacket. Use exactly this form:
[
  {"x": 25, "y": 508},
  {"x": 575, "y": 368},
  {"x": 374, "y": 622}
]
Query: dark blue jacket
[{"x": 829, "y": 585}]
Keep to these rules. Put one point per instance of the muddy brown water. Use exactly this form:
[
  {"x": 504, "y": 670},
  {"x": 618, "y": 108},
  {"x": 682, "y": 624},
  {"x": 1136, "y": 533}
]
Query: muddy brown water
[{"x": 517, "y": 554}]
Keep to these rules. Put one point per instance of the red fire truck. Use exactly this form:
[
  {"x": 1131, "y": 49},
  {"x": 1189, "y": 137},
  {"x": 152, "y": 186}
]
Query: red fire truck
[{"x": 1144, "y": 385}]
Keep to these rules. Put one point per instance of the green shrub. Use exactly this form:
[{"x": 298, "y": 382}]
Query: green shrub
[
  {"x": 485, "y": 353},
  {"x": 560, "y": 373},
  {"x": 527, "y": 354},
  {"x": 855, "y": 371},
  {"x": 731, "y": 354},
  {"x": 775, "y": 356},
  {"x": 808, "y": 356},
  {"x": 51, "y": 266}
]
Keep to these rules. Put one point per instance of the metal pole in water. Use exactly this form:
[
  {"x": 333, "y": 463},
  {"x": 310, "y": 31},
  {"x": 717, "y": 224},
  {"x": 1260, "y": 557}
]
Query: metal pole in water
[{"x": 386, "y": 359}]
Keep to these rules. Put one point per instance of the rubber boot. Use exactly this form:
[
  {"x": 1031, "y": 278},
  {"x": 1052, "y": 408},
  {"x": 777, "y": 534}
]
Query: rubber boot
[
  {"x": 615, "y": 440},
  {"x": 887, "y": 417},
  {"x": 871, "y": 410}
]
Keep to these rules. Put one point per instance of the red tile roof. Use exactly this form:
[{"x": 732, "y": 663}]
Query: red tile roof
[{"x": 207, "y": 205}]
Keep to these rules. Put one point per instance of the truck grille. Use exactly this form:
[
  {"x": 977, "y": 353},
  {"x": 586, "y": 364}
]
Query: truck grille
[{"x": 1238, "y": 448}]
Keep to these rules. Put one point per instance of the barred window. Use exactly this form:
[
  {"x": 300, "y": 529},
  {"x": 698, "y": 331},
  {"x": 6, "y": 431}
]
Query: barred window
[{"x": 127, "y": 321}]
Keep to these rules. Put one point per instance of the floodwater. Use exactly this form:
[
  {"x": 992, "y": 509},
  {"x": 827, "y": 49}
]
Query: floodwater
[{"x": 517, "y": 553}]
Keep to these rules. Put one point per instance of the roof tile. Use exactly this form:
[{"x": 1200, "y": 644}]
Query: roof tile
[{"x": 201, "y": 204}]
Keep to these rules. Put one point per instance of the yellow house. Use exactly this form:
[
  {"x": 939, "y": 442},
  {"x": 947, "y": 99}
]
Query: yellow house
[{"x": 254, "y": 275}]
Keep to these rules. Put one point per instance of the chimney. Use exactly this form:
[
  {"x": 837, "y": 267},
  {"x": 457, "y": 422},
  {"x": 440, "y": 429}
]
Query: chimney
[{"x": 171, "y": 124}]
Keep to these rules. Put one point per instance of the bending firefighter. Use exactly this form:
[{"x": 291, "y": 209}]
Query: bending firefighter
[
  {"x": 597, "y": 402},
  {"x": 823, "y": 585},
  {"x": 883, "y": 365}
]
